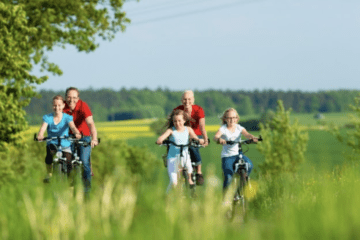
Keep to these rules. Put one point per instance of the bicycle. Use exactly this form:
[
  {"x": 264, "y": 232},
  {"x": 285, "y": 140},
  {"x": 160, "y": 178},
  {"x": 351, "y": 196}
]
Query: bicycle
[
  {"x": 241, "y": 179},
  {"x": 63, "y": 168},
  {"x": 193, "y": 164},
  {"x": 183, "y": 167}
]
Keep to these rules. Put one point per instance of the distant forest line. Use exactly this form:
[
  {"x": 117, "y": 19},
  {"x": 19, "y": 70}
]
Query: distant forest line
[{"x": 109, "y": 105}]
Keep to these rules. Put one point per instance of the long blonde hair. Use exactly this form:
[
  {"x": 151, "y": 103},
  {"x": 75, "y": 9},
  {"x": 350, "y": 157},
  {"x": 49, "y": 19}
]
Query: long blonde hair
[{"x": 223, "y": 117}]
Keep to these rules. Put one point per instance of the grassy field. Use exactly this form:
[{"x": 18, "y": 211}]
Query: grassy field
[
  {"x": 324, "y": 151},
  {"x": 319, "y": 202}
]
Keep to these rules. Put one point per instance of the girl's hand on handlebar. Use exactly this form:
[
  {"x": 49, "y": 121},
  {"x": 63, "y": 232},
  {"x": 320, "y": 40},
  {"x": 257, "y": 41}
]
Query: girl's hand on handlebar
[
  {"x": 158, "y": 142},
  {"x": 255, "y": 139},
  {"x": 222, "y": 141},
  {"x": 40, "y": 137}
]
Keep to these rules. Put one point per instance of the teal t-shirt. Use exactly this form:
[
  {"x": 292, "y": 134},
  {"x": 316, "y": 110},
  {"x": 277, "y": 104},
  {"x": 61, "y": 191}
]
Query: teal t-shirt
[{"x": 58, "y": 130}]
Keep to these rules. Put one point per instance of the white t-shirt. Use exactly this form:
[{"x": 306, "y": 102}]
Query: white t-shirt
[{"x": 230, "y": 150}]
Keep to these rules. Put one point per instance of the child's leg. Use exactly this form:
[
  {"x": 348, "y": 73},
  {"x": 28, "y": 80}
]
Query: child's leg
[
  {"x": 190, "y": 179},
  {"x": 188, "y": 167},
  {"x": 250, "y": 164},
  {"x": 172, "y": 172},
  {"x": 67, "y": 154},
  {"x": 228, "y": 170},
  {"x": 50, "y": 152}
]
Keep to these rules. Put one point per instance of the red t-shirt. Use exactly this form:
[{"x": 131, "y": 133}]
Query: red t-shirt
[
  {"x": 80, "y": 113},
  {"x": 196, "y": 113}
]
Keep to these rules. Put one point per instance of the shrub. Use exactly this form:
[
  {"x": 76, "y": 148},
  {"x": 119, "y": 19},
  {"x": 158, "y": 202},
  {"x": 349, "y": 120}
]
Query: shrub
[
  {"x": 284, "y": 144},
  {"x": 158, "y": 126},
  {"x": 352, "y": 136},
  {"x": 116, "y": 157}
]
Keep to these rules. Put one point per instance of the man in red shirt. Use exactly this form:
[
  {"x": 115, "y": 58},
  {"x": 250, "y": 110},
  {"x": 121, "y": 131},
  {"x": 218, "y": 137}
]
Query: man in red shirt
[
  {"x": 84, "y": 121},
  {"x": 198, "y": 125}
]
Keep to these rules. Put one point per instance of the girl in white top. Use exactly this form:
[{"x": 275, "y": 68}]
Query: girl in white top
[
  {"x": 179, "y": 132},
  {"x": 231, "y": 131}
]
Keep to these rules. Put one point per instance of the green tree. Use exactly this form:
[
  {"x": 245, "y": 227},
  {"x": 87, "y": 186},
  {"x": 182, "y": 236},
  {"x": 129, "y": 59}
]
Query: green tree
[
  {"x": 352, "y": 136},
  {"x": 284, "y": 143},
  {"x": 30, "y": 28}
]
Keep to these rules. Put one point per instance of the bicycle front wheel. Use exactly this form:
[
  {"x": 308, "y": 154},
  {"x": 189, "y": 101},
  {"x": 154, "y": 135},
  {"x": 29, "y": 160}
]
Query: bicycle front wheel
[
  {"x": 242, "y": 185},
  {"x": 58, "y": 171}
]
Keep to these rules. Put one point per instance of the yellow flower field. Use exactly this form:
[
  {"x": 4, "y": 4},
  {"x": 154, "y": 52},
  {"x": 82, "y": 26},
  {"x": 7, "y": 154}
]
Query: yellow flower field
[
  {"x": 124, "y": 129},
  {"x": 139, "y": 128}
]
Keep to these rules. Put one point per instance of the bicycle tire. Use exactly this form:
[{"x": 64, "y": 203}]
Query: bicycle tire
[
  {"x": 186, "y": 178},
  {"x": 76, "y": 175},
  {"x": 234, "y": 206},
  {"x": 242, "y": 185},
  {"x": 58, "y": 174}
]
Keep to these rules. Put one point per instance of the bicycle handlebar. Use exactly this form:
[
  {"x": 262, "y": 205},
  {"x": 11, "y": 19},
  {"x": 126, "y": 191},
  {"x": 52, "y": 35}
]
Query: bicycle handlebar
[
  {"x": 70, "y": 138},
  {"x": 49, "y": 138},
  {"x": 247, "y": 141},
  {"x": 192, "y": 143}
]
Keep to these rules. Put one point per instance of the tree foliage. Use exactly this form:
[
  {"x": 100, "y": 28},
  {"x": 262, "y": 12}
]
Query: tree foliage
[
  {"x": 284, "y": 143},
  {"x": 352, "y": 136},
  {"x": 30, "y": 28},
  {"x": 107, "y": 102}
]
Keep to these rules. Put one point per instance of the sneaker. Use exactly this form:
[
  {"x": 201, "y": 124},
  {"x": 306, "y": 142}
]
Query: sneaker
[
  {"x": 47, "y": 179},
  {"x": 199, "y": 179}
]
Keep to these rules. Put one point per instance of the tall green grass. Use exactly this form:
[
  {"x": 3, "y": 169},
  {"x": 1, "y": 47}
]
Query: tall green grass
[
  {"x": 312, "y": 205},
  {"x": 320, "y": 202}
]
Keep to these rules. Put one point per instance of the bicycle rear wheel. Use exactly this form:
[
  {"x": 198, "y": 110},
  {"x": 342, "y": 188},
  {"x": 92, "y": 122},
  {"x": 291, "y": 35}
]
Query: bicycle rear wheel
[{"x": 76, "y": 176}]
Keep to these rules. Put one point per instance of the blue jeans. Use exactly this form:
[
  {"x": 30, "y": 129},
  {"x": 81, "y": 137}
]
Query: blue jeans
[
  {"x": 84, "y": 155},
  {"x": 195, "y": 154},
  {"x": 228, "y": 164}
]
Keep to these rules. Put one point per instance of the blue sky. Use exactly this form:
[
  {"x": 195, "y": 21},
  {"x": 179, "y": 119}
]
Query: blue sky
[{"x": 306, "y": 45}]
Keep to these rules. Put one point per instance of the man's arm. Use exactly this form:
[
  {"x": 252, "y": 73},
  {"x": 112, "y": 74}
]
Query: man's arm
[
  {"x": 91, "y": 124},
  {"x": 203, "y": 131}
]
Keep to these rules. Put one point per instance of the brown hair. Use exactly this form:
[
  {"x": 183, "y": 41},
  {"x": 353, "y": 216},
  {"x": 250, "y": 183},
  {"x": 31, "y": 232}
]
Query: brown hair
[
  {"x": 223, "y": 117},
  {"x": 177, "y": 112},
  {"x": 70, "y": 89},
  {"x": 58, "y": 97}
]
